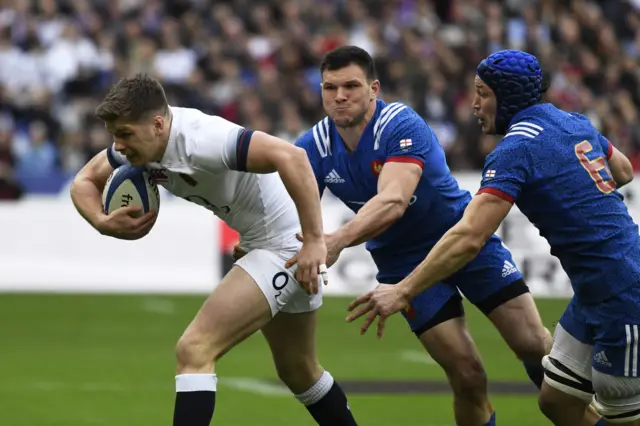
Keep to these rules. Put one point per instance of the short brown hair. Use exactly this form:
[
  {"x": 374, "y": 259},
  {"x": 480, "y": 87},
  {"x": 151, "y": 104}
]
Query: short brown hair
[
  {"x": 343, "y": 56},
  {"x": 133, "y": 99}
]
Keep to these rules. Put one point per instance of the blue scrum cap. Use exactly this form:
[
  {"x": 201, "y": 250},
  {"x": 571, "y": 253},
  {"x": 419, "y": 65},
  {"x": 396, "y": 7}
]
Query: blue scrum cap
[{"x": 516, "y": 79}]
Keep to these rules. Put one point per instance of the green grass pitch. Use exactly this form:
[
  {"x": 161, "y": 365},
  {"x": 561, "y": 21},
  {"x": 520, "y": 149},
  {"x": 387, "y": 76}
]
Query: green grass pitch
[{"x": 88, "y": 360}]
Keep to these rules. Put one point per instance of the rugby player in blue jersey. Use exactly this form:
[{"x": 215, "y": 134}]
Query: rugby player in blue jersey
[
  {"x": 386, "y": 164},
  {"x": 563, "y": 175}
]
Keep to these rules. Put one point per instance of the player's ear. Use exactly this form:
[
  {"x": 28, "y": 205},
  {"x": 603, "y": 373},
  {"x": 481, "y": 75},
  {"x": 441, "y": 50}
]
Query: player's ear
[
  {"x": 375, "y": 89},
  {"x": 158, "y": 124}
]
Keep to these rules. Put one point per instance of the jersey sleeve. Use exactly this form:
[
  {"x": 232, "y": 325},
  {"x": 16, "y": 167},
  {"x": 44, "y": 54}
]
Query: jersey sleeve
[
  {"x": 220, "y": 144},
  {"x": 409, "y": 140},
  {"x": 506, "y": 171},
  {"x": 607, "y": 146},
  {"x": 115, "y": 158}
]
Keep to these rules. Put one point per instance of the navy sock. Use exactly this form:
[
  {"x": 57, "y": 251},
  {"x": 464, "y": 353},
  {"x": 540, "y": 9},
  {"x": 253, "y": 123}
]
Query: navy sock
[
  {"x": 492, "y": 420},
  {"x": 327, "y": 403},
  {"x": 195, "y": 399}
]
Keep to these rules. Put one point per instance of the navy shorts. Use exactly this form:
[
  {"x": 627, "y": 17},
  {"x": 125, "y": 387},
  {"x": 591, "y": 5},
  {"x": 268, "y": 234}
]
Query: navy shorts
[
  {"x": 612, "y": 327},
  {"x": 488, "y": 281}
]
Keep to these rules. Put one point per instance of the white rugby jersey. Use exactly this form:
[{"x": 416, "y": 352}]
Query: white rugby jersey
[{"x": 204, "y": 163}]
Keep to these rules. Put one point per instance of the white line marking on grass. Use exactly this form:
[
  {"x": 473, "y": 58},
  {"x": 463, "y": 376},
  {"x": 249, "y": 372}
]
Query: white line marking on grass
[
  {"x": 257, "y": 386},
  {"x": 418, "y": 357},
  {"x": 247, "y": 384},
  {"x": 158, "y": 306},
  {"x": 52, "y": 386}
]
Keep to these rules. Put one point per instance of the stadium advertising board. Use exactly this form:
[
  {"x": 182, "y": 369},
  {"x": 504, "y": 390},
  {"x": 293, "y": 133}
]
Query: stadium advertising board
[{"x": 46, "y": 246}]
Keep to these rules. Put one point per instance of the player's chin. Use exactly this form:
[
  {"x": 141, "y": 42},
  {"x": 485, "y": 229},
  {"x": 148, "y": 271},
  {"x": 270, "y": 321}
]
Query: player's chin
[
  {"x": 343, "y": 121},
  {"x": 487, "y": 129},
  {"x": 136, "y": 160}
]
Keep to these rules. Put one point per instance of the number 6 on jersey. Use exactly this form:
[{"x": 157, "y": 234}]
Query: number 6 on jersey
[{"x": 594, "y": 166}]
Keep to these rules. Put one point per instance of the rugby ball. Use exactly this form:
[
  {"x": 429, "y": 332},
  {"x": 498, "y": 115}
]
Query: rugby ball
[{"x": 130, "y": 186}]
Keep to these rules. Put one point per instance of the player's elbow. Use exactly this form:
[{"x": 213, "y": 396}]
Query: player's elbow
[
  {"x": 81, "y": 179},
  {"x": 298, "y": 155},
  {"x": 75, "y": 183},
  {"x": 290, "y": 156},
  {"x": 621, "y": 168},
  {"x": 624, "y": 175}
]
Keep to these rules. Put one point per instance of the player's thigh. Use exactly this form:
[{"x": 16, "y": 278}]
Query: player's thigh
[
  {"x": 292, "y": 340},
  {"x": 491, "y": 279},
  {"x": 233, "y": 311},
  {"x": 567, "y": 368},
  {"x": 519, "y": 323},
  {"x": 277, "y": 283},
  {"x": 616, "y": 374},
  {"x": 292, "y": 336},
  {"x": 436, "y": 316},
  {"x": 255, "y": 289}
]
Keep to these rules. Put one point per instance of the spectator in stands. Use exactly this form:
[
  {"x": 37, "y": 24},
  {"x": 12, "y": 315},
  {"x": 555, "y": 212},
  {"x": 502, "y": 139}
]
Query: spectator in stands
[{"x": 257, "y": 64}]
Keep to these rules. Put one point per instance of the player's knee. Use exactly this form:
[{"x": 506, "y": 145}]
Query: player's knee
[
  {"x": 298, "y": 373},
  {"x": 533, "y": 345},
  {"x": 468, "y": 377},
  {"x": 560, "y": 404},
  {"x": 549, "y": 406},
  {"x": 195, "y": 352},
  {"x": 617, "y": 398}
]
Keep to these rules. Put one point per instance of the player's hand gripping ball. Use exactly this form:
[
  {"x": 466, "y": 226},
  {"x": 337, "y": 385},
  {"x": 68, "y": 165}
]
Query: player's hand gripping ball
[{"x": 131, "y": 201}]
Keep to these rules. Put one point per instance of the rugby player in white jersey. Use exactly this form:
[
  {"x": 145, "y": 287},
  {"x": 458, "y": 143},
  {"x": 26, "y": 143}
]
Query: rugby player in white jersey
[{"x": 231, "y": 171}]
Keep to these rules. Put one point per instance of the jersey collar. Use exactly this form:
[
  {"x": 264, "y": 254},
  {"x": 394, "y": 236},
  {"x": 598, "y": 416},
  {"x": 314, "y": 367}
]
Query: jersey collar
[{"x": 518, "y": 115}]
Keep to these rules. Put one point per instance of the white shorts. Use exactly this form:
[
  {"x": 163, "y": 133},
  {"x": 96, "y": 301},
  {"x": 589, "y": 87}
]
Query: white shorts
[
  {"x": 278, "y": 284},
  {"x": 569, "y": 368}
]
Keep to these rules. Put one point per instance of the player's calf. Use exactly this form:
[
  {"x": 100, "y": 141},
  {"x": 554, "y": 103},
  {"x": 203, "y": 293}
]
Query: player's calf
[
  {"x": 297, "y": 372},
  {"x": 450, "y": 345},
  {"x": 235, "y": 310},
  {"x": 518, "y": 321},
  {"x": 291, "y": 338}
]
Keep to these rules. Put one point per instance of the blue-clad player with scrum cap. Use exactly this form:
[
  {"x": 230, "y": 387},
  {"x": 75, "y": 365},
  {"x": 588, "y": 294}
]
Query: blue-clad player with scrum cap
[{"x": 563, "y": 175}]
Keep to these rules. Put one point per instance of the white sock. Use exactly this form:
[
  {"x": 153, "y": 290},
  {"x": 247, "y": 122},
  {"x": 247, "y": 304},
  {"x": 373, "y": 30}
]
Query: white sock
[
  {"x": 196, "y": 382},
  {"x": 317, "y": 391}
]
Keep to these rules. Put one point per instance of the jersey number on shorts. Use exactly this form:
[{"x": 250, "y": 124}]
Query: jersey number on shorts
[
  {"x": 279, "y": 282},
  {"x": 593, "y": 167}
]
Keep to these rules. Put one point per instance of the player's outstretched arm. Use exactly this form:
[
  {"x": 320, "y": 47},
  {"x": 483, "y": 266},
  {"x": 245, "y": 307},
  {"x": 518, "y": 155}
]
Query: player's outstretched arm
[
  {"x": 86, "y": 194},
  {"x": 396, "y": 184},
  {"x": 460, "y": 245},
  {"x": 621, "y": 168},
  {"x": 269, "y": 154},
  {"x": 455, "y": 249}
]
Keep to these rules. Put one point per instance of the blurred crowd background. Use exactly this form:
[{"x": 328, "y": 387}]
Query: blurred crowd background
[{"x": 256, "y": 63}]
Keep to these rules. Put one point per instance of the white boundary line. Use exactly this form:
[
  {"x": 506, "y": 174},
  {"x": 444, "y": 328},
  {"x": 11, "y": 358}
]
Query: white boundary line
[{"x": 417, "y": 357}]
